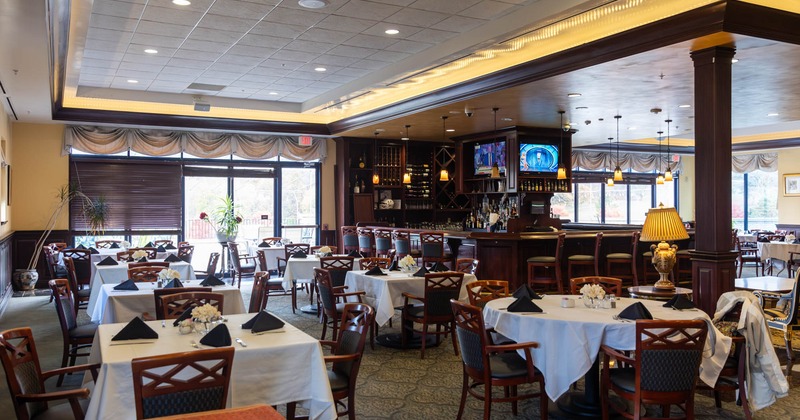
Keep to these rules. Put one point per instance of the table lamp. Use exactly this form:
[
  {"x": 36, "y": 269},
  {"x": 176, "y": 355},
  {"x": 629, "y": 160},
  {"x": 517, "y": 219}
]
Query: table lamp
[{"x": 663, "y": 224}]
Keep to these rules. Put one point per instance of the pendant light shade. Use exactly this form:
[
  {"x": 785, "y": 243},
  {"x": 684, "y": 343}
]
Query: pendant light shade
[
  {"x": 407, "y": 175},
  {"x": 376, "y": 180},
  {"x": 610, "y": 180},
  {"x": 406, "y": 178},
  {"x": 660, "y": 179},
  {"x": 495, "y": 166},
  {"x": 562, "y": 171},
  {"x": 617, "y": 169},
  {"x": 444, "y": 176},
  {"x": 668, "y": 172}
]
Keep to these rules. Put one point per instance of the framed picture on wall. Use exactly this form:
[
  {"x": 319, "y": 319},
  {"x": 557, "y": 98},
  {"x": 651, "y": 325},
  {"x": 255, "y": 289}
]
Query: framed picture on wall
[{"x": 791, "y": 185}]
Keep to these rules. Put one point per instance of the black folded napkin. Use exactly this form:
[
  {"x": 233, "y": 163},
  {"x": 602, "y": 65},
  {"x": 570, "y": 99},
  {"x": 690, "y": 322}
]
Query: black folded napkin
[
  {"x": 161, "y": 249},
  {"x": 355, "y": 254},
  {"x": 421, "y": 272},
  {"x": 439, "y": 267},
  {"x": 114, "y": 245},
  {"x": 212, "y": 280},
  {"x": 130, "y": 259},
  {"x": 173, "y": 284},
  {"x": 80, "y": 246},
  {"x": 763, "y": 239},
  {"x": 107, "y": 261},
  {"x": 149, "y": 245},
  {"x": 172, "y": 258},
  {"x": 679, "y": 301},
  {"x": 218, "y": 337},
  {"x": 525, "y": 291},
  {"x": 299, "y": 254},
  {"x": 185, "y": 315},
  {"x": 264, "y": 321},
  {"x": 375, "y": 271},
  {"x": 264, "y": 245},
  {"x": 143, "y": 259},
  {"x": 635, "y": 311},
  {"x": 523, "y": 304},
  {"x": 393, "y": 266},
  {"x": 93, "y": 250},
  {"x": 170, "y": 246},
  {"x": 136, "y": 329},
  {"x": 126, "y": 285}
]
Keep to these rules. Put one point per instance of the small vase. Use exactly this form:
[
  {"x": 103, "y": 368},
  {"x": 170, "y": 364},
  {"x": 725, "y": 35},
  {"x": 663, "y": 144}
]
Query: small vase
[
  {"x": 223, "y": 237},
  {"x": 203, "y": 327},
  {"x": 185, "y": 329},
  {"x": 588, "y": 302},
  {"x": 25, "y": 279}
]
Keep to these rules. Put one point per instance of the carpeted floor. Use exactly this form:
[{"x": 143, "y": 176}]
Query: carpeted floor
[{"x": 392, "y": 384}]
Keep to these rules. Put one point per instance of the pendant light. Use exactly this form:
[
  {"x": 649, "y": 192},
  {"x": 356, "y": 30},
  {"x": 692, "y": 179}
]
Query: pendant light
[
  {"x": 444, "y": 176},
  {"x": 668, "y": 172},
  {"x": 562, "y": 171},
  {"x": 610, "y": 180},
  {"x": 617, "y": 170},
  {"x": 495, "y": 166},
  {"x": 407, "y": 175},
  {"x": 376, "y": 180},
  {"x": 660, "y": 177}
]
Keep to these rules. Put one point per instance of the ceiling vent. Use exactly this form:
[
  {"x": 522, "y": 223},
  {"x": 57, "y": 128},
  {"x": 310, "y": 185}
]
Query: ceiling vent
[{"x": 205, "y": 86}]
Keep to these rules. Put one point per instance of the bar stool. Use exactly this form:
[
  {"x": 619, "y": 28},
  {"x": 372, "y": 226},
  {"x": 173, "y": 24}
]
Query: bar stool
[
  {"x": 548, "y": 262},
  {"x": 616, "y": 259},
  {"x": 683, "y": 267},
  {"x": 584, "y": 260},
  {"x": 402, "y": 244},
  {"x": 349, "y": 239},
  {"x": 383, "y": 243},
  {"x": 365, "y": 240},
  {"x": 432, "y": 244}
]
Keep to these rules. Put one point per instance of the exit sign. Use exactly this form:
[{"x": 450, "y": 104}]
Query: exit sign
[{"x": 304, "y": 140}]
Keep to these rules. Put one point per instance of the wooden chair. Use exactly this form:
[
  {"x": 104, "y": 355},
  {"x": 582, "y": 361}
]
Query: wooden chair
[
  {"x": 346, "y": 354},
  {"x": 349, "y": 239},
  {"x": 75, "y": 338},
  {"x": 179, "y": 383},
  {"x": 288, "y": 251},
  {"x": 243, "y": 265},
  {"x": 366, "y": 239},
  {"x": 793, "y": 263},
  {"x": 383, "y": 243},
  {"x": 162, "y": 242},
  {"x": 306, "y": 284},
  {"x": 183, "y": 243},
  {"x": 784, "y": 317},
  {"x": 434, "y": 309},
  {"x": 125, "y": 256},
  {"x": 402, "y": 244},
  {"x": 106, "y": 243},
  {"x": 146, "y": 273},
  {"x": 747, "y": 255},
  {"x": 173, "y": 305},
  {"x": 80, "y": 297},
  {"x": 432, "y": 244},
  {"x": 82, "y": 259},
  {"x": 371, "y": 262},
  {"x": 152, "y": 252},
  {"x": 609, "y": 284},
  {"x": 482, "y": 291},
  {"x": 26, "y": 380},
  {"x": 211, "y": 267},
  {"x": 587, "y": 260},
  {"x": 547, "y": 263},
  {"x": 185, "y": 253},
  {"x": 332, "y": 299},
  {"x": 158, "y": 293},
  {"x": 486, "y": 365},
  {"x": 161, "y": 264},
  {"x": 467, "y": 266},
  {"x": 627, "y": 261},
  {"x": 663, "y": 369},
  {"x": 270, "y": 287},
  {"x": 316, "y": 248},
  {"x": 272, "y": 241},
  {"x": 58, "y": 246},
  {"x": 337, "y": 268}
]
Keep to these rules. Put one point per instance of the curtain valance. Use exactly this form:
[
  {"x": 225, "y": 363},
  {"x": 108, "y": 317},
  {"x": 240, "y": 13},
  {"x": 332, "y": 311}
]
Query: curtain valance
[
  {"x": 109, "y": 140},
  {"x": 767, "y": 162},
  {"x": 639, "y": 162}
]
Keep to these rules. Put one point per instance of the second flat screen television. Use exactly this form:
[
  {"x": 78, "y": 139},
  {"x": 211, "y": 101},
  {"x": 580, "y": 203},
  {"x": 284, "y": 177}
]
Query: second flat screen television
[
  {"x": 537, "y": 157},
  {"x": 487, "y": 154}
]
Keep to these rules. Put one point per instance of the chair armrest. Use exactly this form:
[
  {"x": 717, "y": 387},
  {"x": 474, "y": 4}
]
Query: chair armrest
[
  {"x": 56, "y": 395},
  {"x": 329, "y": 343},
  {"x": 341, "y": 357},
  {"x": 410, "y": 296},
  {"x": 247, "y": 257},
  {"x": 504, "y": 348},
  {"x": 358, "y": 293},
  {"x": 617, "y": 354},
  {"x": 94, "y": 368},
  {"x": 338, "y": 289}
]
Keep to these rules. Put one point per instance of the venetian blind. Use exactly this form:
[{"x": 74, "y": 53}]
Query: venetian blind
[{"x": 140, "y": 196}]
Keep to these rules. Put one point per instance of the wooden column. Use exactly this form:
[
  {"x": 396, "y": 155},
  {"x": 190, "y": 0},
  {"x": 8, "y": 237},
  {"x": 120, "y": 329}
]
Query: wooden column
[{"x": 713, "y": 262}]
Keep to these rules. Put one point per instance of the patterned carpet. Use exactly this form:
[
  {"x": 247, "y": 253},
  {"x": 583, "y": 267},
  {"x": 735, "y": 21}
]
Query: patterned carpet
[{"x": 392, "y": 384}]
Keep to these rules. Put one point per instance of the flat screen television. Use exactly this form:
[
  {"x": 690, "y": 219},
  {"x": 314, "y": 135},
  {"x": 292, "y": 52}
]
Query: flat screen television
[
  {"x": 486, "y": 154},
  {"x": 538, "y": 158}
]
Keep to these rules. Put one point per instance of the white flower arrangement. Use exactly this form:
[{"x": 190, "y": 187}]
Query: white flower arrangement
[
  {"x": 593, "y": 291},
  {"x": 168, "y": 274},
  {"x": 324, "y": 250},
  {"x": 125, "y": 244},
  {"x": 205, "y": 313},
  {"x": 407, "y": 262},
  {"x": 139, "y": 254}
]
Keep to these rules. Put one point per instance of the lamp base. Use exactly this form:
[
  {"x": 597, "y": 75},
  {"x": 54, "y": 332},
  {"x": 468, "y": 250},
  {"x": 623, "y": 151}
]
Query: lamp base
[
  {"x": 663, "y": 260},
  {"x": 663, "y": 283}
]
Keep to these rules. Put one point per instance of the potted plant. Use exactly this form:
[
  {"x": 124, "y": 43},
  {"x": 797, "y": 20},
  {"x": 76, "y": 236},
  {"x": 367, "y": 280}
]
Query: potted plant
[
  {"x": 95, "y": 213},
  {"x": 224, "y": 220}
]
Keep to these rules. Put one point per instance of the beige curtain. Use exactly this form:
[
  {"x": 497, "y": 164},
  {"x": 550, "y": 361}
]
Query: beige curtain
[
  {"x": 767, "y": 162},
  {"x": 107, "y": 140},
  {"x": 640, "y": 162}
]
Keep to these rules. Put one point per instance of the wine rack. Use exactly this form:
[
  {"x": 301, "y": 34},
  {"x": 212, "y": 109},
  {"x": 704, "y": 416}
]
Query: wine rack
[{"x": 388, "y": 164}]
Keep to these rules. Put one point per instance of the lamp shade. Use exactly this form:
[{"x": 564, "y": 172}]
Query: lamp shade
[
  {"x": 562, "y": 172},
  {"x": 444, "y": 175},
  {"x": 668, "y": 175},
  {"x": 663, "y": 224},
  {"x": 406, "y": 178},
  {"x": 617, "y": 173},
  {"x": 376, "y": 179}
]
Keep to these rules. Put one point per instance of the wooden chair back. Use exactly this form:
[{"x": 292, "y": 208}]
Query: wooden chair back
[
  {"x": 162, "y": 264},
  {"x": 290, "y": 249},
  {"x": 402, "y": 243},
  {"x": 82, "y": 261},
  {"x": 349, "y": 239},
  {"x": 271, "y": 241},
  {"x": 316, "y": 248},
  {"x": 356, "y": 320},
  {"x": 158, "y": 293},
  {"x": 172, "y": 306},
  {"x": 366, "y": 238},
  {"x": 125, "y": 256},
  {"x": 106, "y": 243},
  {"x": 467, "y": 265},
  {"x": 58, "y": 246},
  {"x": 162, "y": 242},
  {"x": 383, "y": 242},
  {"x": 72, "y": 281},
  {"x": 482, "y": 291},
  {"x": 432, "y": 244},
  {"x": 338, "y": 268},
  {"x": 371, "y": 262},
  {"x": 327, "y": 294},
  {"x": 152, "y": 252},
  {"x": 50, "y": 256},
  {"x": 147, "y": 273},
  {"x": 159, "y": 392},
  {"x": 439, "y": 289},
  {"x": 257, "y": 295},
  {"x": 213, "y": 260},
  {"x": 609, "y": 284},
  {"x": 185, "y": 253},
  {"x": 65, "y": 307}
]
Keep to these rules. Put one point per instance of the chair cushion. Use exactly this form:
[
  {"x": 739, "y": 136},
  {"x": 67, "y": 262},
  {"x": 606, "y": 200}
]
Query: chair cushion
[
  {"x": 338, "y": 381},
  {"x": 543, "y": 259},
  {"x": 84, "y": 293},
  {"x": 499, "y": 339},
  {"x": 619, "y": 256},
  {"x": 415, "y": 253},
  {"x": 508, "y": 365},
  {"x": 83, "y": 331},
  {"x": 61, "y": 411},
  {"x": 581, "y": 258},
  {"x": 647, "y": 254},
  {"x": 624, "y": 378},
  {"x": 416, "y": 311},
  {"x": 684, "y": 251}
]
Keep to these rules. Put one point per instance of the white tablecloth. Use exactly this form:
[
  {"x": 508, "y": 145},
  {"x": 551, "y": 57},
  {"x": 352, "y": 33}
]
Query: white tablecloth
[
  {"x": 385, "y": 293},
  {"x": 303, "y": 269},
  {"x": 570, "y": 338},
  {"x": 115, "y": 274},
  {"x": 271, "y": 254},
  {"x": 776, "y": 250},
  {"x": 123, "y": 305},
  {"x": 273, "y": 369}
]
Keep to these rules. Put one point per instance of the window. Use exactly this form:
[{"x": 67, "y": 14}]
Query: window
[
  {"x": 754, "y": 204},
  {"x": 641, "y": 201},
  {"x": 624, "y": 203},
  {"x": 299, "y": 212},
  {"x": 616, "y": 204},
  {"x": 590, "y": 201},
  {"x": 563, "y": 205},
  {"x": 737, "y": 201}
]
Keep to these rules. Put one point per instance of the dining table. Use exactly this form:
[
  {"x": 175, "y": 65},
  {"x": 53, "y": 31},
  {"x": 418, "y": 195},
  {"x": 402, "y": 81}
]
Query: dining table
[
  {"x": 115, "y": 274},
  {"x": 772, "y": 284},
  {"x": 570, "y": 338},
  {"x": 271, "y": 255},
  {"x": 302, "y": 269},
  {"x": 123, "y": 305},
  {"x": 776, "y": 250},
  {"x": 272, "y": 368}
]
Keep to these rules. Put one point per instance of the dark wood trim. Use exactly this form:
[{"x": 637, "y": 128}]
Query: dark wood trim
[
  {"x": 762, "y": 22},
  {"x": 6, "y": 291}
]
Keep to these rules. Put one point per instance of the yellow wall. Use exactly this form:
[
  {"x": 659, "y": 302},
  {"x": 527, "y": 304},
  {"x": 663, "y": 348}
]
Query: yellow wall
[
  {"x": 6, "y": 135},
  {"x": 328, "y": 202},
  {"x": 686, "y": 189},
  {"x": 788, "y": 207}
]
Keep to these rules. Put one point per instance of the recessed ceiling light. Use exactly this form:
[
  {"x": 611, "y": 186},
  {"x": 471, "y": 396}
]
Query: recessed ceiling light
[
  {"x": 773, "y": 114},
  {"x": 151, "y": 51},
  {"x": 313, "y": 4},
  {"x": 391, "y": 32},
  {"x": 132, "y": 81},
  {"x": 181, "y": 2},
  {"x": 734, "y": 60},
  {"x": 684, "y": 106},
  {"x": 320, "y": 69},
  {"x": 273, "y": 93},
  {"x": 380, "y": 130},
  {"x": 450, "y": 130},
  {"x": 507, "y": 119},
  {"x": 573, "y": 95},
  {"x": 455, "y": 112}
]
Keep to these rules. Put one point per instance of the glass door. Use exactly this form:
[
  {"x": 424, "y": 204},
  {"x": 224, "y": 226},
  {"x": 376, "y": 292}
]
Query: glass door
[
  {"x": 202, "y": 194},
  {"x": 255, "y": 201},
  {"x": 299, "y": 205}
]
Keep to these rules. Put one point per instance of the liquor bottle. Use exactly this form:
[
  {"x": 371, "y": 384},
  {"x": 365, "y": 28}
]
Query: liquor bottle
[
  {"x": 361, "y": 163},
  {"x": 357, "y": 188}
]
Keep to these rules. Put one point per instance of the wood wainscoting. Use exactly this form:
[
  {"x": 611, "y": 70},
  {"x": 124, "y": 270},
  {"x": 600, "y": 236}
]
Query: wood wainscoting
[
  {"x": 5, "y": 272},
  {"x": 23, "y": 245}
]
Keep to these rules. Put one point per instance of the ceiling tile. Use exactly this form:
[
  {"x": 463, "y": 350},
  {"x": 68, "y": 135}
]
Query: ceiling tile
[
  {"x": 250, "y": 51},
  {"x": 307, "y": 75},
  {"x": 156, "y": 40},
  {"x": 183, "y": 71},
  {"x": 138, "y": 75},
  {"x": 325, "y": 35},
  {"x": 311, "y": 91},
  {"x": 241, "y": 60},
  {"x": 103, "y": 55},
  {"x": 409, "y": 46},
  {"x": 112, "y": 22},
  {"x": 282, "y": 64},
  {"x": 309, "y": 46},
  {"x": 216, "y": 35},
  {"x": 370, "y": 41},
  {"x": 336, "y": 60},
  {"x": 185, "y": 62},
  {"x": 103, "y": 64},
  {"x": 163, "y": 29},
  {"x": 99, "y": 45},
  {"x": 171, "y": 87},
  {"x": 135, "y": 52},
  {"x": 301, "y": 17},
  {"x": 432, "y": 35},
  {"x": 117, "y": 8},
  {"x": 212, "y": 73},
  {"x": 292, "y": 83},
  {"x": 257, "y": 72},
  {"x": 294, "y": 56},
  {"x": 242, "y": 9},
  {"x": 223, "y": 81},
  {"x": 367, "y": 10},
  {"x": 355, "y": 52},
  {"x": 207, "y": 46},
  {"x": 389, "y": 56},
  {"x": 458, "y": 24},
  {"x": 109, "y": 35},
  {"x": 183, "y": 78},
  {"x": 369, "y": 64},
  {"x": 263, "y": 41},
  {"x": 197, "y": 55},
  {"x": 325, "y": 85},
  {"x": 97, "y": 78},
  {"x": 338, "y": 78},
  {"x": 449, "y": 7},
  {"x": 488, "y": 9},
  {"x": 250, "y": 84},
  {"x": 344, "y": 23},
  {"x": 415, "y": 17},
  {"x": 122, "y": 83},
  {"x": 232, "y": 68},
  {"x": 227, "y": 23},
  {"x": 171, "y": 15},
  {"x": 278, "y": 29},
  {"x": 97, "y": 71},
  {"x": 350, "y": 71},
  {"x": 127, "y": 65}
]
